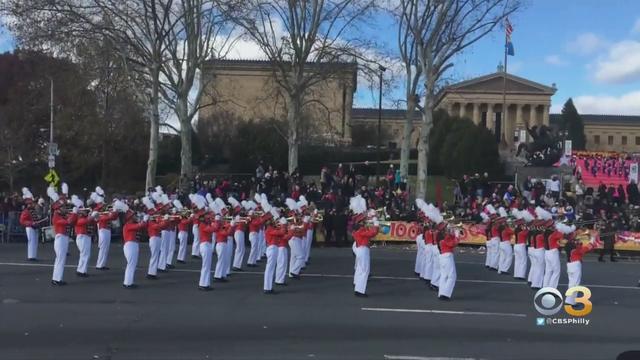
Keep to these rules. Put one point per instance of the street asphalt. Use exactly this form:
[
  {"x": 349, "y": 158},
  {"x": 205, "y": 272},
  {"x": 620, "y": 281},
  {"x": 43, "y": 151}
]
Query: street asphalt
[{"x": 491, "y": 316}]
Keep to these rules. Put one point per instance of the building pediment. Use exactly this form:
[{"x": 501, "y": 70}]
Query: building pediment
[{"x": 494, "y": 83}]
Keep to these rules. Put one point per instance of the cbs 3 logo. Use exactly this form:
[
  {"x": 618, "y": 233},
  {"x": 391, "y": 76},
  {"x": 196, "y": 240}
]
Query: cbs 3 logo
[{"x": 548, "y": 301}]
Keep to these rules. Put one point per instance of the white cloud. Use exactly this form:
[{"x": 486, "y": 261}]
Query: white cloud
[
  {"x": 621, "y": 64},
  {"x": 626, "y": 104},
  {"x": 586, "y": 44},
  {"x": 555, "y": 60}
]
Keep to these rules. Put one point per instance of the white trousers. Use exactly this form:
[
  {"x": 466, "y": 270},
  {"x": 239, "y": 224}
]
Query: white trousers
[
  {"x": 419, "y": 255},
  {"x": 520, "y": 261},
  {"x": 183, "y": 237},
  {"x": 574, "y": 272},
  {"x": 551, "y": 268},
  {"x": 361, "y": 274},
  {"x": 195, "y": 247},
  {"x": 104, "y": 242},
  {"x": 537, "y": 267},
  {"x": 229, "y": 255},
  {"x": 530, "y": 254},
  {"x": 238, "y": 258},
  {"x": 263, "y": 244},
  {"x": 171, "y": 247},
  {"x": 297, "y": 255},
  {"x": 448, "y": 275},
  {"x": 163, "y": 250},
  {"x": 155, "y": 242},
  {"x": 427, "y": 267},
  {"x": 492, "y": 253},
  {"x": 270, "y": 268},
  {"x": 281, "y": 264},
  {"x": 60, "y": 247},
  {"x": 206, "y": 252},
  {"x": 32, "y": 243},
  {"x": 84, "y": 247},
  {"x": 254, "y": 238},
  {"x": 505, "y": 256},
  {"x": 435, "y": 265},
  {"x": 307, "y": 249},
  {"x": 221, "y": 266},
  {"x": 131, "y": 250}
]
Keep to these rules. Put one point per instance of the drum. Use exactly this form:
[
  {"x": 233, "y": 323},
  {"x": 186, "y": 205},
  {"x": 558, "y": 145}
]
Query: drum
[
  {"x": 115, "y": 224},
  {"x": 48, "y": 234}
]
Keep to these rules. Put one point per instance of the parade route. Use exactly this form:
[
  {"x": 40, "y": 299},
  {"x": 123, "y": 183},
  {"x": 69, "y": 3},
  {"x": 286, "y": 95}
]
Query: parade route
[{"x": 491, "y": 316}]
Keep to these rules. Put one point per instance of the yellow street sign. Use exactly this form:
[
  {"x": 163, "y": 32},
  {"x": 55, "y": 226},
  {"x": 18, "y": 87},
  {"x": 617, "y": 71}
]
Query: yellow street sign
[{"x": 52, "y": 177}]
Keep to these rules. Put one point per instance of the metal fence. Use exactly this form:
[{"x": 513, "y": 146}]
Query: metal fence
[{"x": 10, "y": 228}]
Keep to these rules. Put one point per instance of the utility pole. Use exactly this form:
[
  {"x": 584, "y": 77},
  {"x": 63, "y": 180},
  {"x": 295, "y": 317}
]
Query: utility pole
[{"x": 382, "y": 70}]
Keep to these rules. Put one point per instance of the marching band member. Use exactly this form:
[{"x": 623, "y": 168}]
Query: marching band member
[
  {"x": 104, "y": 229},
  {"x": 531, "y": 246},
  {"x": 493, "y": 238},
  {"x": 448, "y": 274},
  {"x": 552, "y": 254},
  {"x": 224, "y": 229},
  {"x": 295, "y": 234},
  {"x": 29, "y": 221},
  {"x": 537, "y": 260},
  {"x": 505, "y": 254},
  {"x": 238, "y": 234},
  {"x": 131, "y": 247},
  {"x": 520, "y": 247},
  {"x": 283, "y": 254},
  {"x": 195, "y": 246},
  {"x": 577, "y": 250},
  {"x": 427, "y": 267},
  {"x": 254, "y": 237},
  {"x": 155, "y": 226},
  {"x": 307, "y": 231},
  {"x": 362, "y": 235},
  {"x": 183, "y": 237},
  {"x": 274, "y": 232},
  {"x": 83, "y": 240},
  {"x": 420, "y": 248},
  {"x": 61, "y": 221},
  {"x": 206, "y": 250},
  {"x": 173, "y": 236},
  {"x": 263, "y": 243}
]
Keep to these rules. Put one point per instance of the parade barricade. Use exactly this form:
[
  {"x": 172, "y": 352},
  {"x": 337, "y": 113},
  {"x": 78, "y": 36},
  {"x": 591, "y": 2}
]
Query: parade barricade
[{"x": 474, "y": 234}]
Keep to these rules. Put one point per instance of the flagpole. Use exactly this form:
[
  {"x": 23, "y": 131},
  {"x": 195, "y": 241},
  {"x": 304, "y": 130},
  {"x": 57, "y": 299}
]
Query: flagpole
[{"x": 504, "y": 120}]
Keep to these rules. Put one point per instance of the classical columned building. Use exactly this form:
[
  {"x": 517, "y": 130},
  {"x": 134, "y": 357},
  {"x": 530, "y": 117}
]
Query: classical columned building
[{"x": 504, "y": 106}]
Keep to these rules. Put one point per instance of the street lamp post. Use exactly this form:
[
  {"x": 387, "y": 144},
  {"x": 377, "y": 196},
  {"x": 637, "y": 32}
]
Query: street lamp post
[
  {"x": 51, "y": 158},
  {"x": 382, "y": 70}
]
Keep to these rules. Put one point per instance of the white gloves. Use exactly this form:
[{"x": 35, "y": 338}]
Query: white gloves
[
  {"x": 145, "y": 218},
  {"x": 74, "y": 210}
]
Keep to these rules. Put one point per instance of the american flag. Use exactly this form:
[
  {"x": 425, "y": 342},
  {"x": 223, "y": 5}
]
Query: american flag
[{"x": 508, "y": 28}]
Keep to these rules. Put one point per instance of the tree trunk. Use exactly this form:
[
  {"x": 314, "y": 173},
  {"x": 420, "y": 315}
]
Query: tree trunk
[
  {"x": 293, "y": 115},
  {"x": 423, "y": 148},
  {"x": 154, "y": 131},
  {"x": 185, "y": 137},
  {"x": 406, "y": 138}
]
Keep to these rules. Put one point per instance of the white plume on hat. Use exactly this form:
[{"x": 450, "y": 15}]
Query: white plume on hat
[
  {"x": 283, "y": 221},
  {"x": 274, "y": 212},
  {"x": 209, "y": 198},
  {"x": 177, "y": 204},
  {"x": 526, "y": 216},
  {"x": 53, "y": 195},
  {"x": 485, "y": 217},
  {"x": 200, "y": 201},
  {"x": 302, "y": 202},
  {"x": 516, "y": 213},
  {"x": 257, "y": 198},
  {"x": 502, "y": 212},
  {"x": 543, "y": 214},
  {"x": 252, "y": 205},
  {"x": 147, "y": 203},
  {"x": 159, "y": 190},
  {"x": 291, "y": 204},
  {"x": 99, "y": 191},
  {"x": 164, "y": 199},
  {"x": 156, "y": 197},
  {"x": 358, "y": 205},
  {"x": 120, "y": 206},
  {"x": 433, "y": 213},
  {"x": 220, "y": 204},
  {"x": 233, "y": 202},
  {"x": 65, "y": 188},
  {"x": 266, "y": 207},
  {"x": 26, "y": 194},
  {"x": 75, "y": 200},
  {"x": 490, "y": 209},
  {"x": 565, "y": 229},
  {"x": 245, "y": 205},
  {"x": 263, "y": 198}
]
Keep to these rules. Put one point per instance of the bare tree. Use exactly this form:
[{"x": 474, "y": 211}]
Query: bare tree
[
  {"x": 201, "y": 33},
  {"x": 303, "y": 39},
  {"x": 442, "y": 29},
  {"x": 137, "y": 30}
]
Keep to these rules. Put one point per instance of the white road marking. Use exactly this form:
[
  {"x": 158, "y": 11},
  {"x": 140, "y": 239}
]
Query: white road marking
[
  {"x": 409, "y": 357},
  {"x": 447, "y": 312},
  {"x": 405, "y": 278}
]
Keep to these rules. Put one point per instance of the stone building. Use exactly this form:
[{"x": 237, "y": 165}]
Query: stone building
[
  {"x": 248, "y": 90},
  {"x": 608, "y": 132}
]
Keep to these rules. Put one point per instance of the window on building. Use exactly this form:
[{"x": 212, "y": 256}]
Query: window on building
[
  {"x": 637, "y": 140},
  {"x": 596, "y": 139},
  {"x": 624, "y": 140},
  {"x": 610, "y": 140}
]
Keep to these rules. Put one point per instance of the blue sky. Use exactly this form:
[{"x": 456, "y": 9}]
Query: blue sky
[{"x": 589, "y": 48}]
